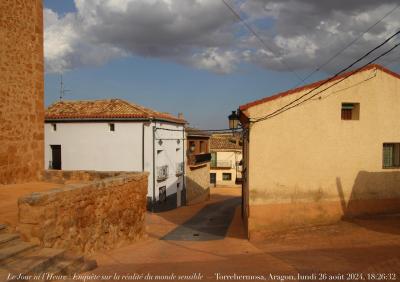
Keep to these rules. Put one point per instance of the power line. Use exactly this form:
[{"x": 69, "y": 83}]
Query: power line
[
  {"x": 283, "y": 109},
  {"x": 236, "y": 14},
  {"x": 351, "y": 43},
  {"x": 336, "y": 75}
]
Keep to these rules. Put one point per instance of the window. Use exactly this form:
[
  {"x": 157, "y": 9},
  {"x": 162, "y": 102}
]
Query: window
[
  {"x": 227, "y": 176},
  {"x": 213, "y": 159},
  {"x": 112, "y": 126},
  {"x": 202, "y": 147},
  {"x": 391, "y": 155},
  {"x": 54, "y": 126},
  {"x": 350, "y": 111},
  {"x": 213, "y": 178}
]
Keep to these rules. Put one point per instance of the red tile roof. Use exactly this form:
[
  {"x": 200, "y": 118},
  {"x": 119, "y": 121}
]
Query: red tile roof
[
  {"x": 104, "y": 109},
  {"x": 225, "y": 142},
  {"x": 315, "y": 84}
]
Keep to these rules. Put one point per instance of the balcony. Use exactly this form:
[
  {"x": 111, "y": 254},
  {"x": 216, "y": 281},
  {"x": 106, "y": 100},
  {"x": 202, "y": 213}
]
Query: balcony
[
  {"x": 179, "y": 168},
  {"x": 162, "y": 172},
  {"x": 221, "y": 164},
  {"x": 198, "y": 159}
]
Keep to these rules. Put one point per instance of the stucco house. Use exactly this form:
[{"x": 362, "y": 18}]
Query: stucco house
[
  {"x": 197, "y": 173},
  {"x": 334, "y": 156},
  {"x": 116, "y": 135},
  {"x": 226, "y": 156}
]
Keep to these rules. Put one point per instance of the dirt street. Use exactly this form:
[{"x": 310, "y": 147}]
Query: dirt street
[{"x": 196, "y": 243}]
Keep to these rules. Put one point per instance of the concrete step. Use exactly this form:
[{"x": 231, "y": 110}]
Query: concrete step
[
  {"x": 22, "y": 258},
  {"x": 7, "y": 237},
  {"x": 11, "y": 249},
  {"x": 33, "y": 262},
  {"x": 67, "y": 265}
]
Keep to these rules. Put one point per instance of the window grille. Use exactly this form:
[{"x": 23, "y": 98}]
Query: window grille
[
  {"x": 391, "y": 155},
  {"x": 162, "y": 172}
]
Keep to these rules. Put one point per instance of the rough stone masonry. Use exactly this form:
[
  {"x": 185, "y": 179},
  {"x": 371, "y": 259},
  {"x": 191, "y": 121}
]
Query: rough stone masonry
[
  {"x": 103, "y": 213},
  {"x": 21, "y": 90}
]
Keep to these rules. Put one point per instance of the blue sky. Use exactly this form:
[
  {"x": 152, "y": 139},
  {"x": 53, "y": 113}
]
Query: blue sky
[
  {"x": 205, "y": 98},
  {"x": 204, "y": 92}
]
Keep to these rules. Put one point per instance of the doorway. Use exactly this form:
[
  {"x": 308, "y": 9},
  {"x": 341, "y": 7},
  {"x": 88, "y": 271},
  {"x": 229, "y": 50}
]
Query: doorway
[
  {"x": 178, "y": 195},
  {"x": 213, "y": 178},
  {"x": 55, "y": 157}
]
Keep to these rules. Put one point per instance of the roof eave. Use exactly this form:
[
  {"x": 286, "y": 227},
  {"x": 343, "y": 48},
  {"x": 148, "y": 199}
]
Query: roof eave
[{"x": 249, "y": 105}]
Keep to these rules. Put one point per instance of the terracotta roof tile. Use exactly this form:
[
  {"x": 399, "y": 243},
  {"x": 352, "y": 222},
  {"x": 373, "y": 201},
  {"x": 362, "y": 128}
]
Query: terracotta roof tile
[
  {"x": 315, "y": 84},
  {"x": 104, "y": 109},
  {"x": 191, "y": 131},
  {"x": 224, "y": 143}
]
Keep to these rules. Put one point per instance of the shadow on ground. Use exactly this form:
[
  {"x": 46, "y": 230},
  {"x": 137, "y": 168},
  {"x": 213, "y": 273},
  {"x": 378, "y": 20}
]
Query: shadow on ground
[{"x": 210, "y": 223}]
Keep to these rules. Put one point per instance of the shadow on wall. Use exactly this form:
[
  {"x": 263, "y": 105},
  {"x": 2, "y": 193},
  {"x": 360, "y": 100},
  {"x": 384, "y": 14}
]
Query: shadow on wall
[
  {"x": 167, "y": 198},
  {"x": 374, "y": 195},
  {"x": 195, "y": 192}
]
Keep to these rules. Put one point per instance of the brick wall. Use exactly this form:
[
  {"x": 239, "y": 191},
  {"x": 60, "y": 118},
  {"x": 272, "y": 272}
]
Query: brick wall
[
  {"x": 21, "y": 90},
  {"x": 85, "y": 217}
]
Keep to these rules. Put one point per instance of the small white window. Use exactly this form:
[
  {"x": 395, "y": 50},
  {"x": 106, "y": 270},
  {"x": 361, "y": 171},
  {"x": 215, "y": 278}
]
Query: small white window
[
  {"x": 111, "y": 126},
  {"x": 54, "y": 126}
]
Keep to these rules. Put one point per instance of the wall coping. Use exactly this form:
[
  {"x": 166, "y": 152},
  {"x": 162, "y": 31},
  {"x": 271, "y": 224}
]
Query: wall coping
[{"x": 107, "y": 180}]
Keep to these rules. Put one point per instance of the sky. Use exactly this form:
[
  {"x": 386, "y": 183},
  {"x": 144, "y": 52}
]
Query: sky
[{"x": 197, "y": 58}]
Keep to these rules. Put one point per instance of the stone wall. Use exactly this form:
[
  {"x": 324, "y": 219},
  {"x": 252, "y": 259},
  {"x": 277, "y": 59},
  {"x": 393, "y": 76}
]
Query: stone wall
[
  {"x": 21, "y": 90},
  {"x": 197, "y": 184},
  {"x": 85, "y": 217}
]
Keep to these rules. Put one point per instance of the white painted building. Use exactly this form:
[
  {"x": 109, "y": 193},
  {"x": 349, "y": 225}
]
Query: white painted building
[
  {"x": 114, "y": 135},
  {"x": 226, "y": 157}
]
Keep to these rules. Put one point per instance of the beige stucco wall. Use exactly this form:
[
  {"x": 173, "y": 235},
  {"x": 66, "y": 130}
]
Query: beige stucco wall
[
  {"x": 307, "y": 166},
  {"x": 197, "y": 183},
  {"x": 233, "y": 157}
]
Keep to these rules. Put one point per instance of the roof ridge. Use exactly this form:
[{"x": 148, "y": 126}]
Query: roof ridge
[
  {"x": 104, "y": 108},
  {"x": 315, "y": 84}
]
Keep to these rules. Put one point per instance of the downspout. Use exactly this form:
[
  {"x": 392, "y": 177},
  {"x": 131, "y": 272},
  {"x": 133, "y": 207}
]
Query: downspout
[
  {"x": 143, "y": 146},
  {"x": 154, "y": 169},
  {"x": 184, "y": 164}
]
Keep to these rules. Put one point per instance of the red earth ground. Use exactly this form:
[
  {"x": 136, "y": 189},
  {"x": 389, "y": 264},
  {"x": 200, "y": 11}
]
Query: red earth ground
[{"x": 347, "y": 251}]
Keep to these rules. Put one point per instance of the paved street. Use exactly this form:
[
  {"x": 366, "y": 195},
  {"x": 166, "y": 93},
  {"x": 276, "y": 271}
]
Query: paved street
[{"x": 197, "y": 239}]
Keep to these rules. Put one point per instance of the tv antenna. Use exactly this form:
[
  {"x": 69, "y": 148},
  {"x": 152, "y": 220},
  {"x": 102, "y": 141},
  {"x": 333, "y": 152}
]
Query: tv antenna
[{"x": 62, "y": 90}]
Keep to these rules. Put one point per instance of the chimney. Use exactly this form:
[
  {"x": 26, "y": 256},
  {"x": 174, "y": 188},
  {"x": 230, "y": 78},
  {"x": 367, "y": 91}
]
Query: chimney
[{"x": 180, "y": 116}]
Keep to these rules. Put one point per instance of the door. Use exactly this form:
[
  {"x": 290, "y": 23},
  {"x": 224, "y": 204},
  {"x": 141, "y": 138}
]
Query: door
[
  {"x": 55, "y": 157},
  {"x": 178, "y": 195},
  {"x": 213, "y": 178}
]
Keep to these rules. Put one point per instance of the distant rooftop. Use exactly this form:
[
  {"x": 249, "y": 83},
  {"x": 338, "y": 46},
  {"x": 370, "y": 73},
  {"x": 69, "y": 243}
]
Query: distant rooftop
[
  {"x": 191, "y": 131},
  {"x": 104, "y": 109},
  {"x": 225, "y": 142}
]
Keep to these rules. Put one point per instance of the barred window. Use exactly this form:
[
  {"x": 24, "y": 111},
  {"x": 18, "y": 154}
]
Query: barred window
[{"x": 391, "y": 155}]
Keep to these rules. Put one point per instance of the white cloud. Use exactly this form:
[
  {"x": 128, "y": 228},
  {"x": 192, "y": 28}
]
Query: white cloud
[
  {"x": 101, "y": 30},
  {"x": 205, "y": 35},
  {"x": 215, "y": 60}
]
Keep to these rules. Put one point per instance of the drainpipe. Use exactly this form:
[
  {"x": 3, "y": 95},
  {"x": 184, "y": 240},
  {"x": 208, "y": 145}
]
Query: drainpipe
[
  {"x": 143, "y": 146},
  {"x": 154, "y": 169},
  {"x": 184, "y": 165}
]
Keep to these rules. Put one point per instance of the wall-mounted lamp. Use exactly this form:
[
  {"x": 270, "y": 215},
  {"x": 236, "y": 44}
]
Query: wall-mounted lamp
[{"x": 233, "y": 120}]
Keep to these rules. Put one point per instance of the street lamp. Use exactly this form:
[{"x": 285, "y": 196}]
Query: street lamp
[{"x": 233, "y": 120}]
